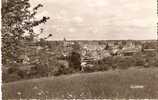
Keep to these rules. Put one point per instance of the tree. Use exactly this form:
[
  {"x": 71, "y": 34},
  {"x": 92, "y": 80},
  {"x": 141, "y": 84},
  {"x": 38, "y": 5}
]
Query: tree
[
  {"x": 18, "y": 22},
  {"x": 76, "y": 47},
  {"x": 75, "y": 60},
  {"x": 75, "y": 57}
]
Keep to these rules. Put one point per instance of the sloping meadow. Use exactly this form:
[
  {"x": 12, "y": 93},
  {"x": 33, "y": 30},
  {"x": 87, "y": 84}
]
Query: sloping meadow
[{"x": 130, "y": 83}]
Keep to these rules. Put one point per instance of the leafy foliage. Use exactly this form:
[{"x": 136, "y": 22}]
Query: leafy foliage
[
  {"x": 75, "y": 61},
  {"x": 17, "y": 26}
]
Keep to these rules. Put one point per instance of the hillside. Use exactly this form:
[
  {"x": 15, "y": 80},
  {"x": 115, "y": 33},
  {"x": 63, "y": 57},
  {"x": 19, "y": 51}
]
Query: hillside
[{"x": 131, "y": 83}]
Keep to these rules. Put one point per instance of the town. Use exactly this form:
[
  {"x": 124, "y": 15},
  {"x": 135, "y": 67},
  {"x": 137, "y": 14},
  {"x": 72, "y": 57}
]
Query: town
[{"x": 47, "y": 58}]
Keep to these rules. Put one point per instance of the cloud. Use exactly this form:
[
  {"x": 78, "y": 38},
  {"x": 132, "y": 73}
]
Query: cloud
[
  {"x": 72, "y": 30},
  {"x": 96, "y": 3},
  {"x": 78, "y": 19},
  {"x": 101, "y": 19}
]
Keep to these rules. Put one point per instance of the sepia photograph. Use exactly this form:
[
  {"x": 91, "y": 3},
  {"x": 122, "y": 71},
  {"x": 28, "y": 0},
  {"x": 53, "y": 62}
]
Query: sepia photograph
[{"x": 79, "y": 49}]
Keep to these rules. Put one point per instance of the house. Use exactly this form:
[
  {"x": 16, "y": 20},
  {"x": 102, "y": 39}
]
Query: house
[{"x": 129, "y": 52}]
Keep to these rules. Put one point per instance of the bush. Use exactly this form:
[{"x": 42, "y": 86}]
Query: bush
[
  {"x": 43, "y": 70},
  {"x": 124, "y": 62},
  {"x": 108, "y": 61},
  {"x": 60, "y": 69},
  {"x": 156, "y": 63},
  {"x": 103, "y": 67},
  {"x": 13, "y": 77},
  {"x": 89, "y": 68},
  {"x": 13, "y": 70},
  {"x": 139, "y": 62},
  {"x": 103, "y": 64},
  {"x": 10, "y": 77},
  {"x": 14, "y": 74},
  {"x": 75, "y": 61},
  {"x": 4, "y": 76}
]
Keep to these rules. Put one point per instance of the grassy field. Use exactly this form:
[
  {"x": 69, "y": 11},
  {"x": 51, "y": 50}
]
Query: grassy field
[{"x": 130, "y": 83}]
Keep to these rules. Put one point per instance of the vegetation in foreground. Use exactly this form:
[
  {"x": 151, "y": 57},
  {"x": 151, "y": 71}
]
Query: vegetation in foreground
[
  {"x": 72, "y": 64},
  {"x": 130, "y": 83}
]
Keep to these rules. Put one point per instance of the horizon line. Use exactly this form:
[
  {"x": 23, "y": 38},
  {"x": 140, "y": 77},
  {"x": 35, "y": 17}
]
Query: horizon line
[{"x": 57, "y": 39}]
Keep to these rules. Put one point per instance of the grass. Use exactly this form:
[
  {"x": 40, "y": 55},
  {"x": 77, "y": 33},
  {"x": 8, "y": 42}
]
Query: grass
[{"x": 109, "y": 84}]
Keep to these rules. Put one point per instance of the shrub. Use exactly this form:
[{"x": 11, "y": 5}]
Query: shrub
[
  {"x": 114, "y": 66},
  {"x": 75, "y": 61},
  {"x": 4, "y": 76},
  {"x": 10, "y": 77},
  {"x": 41, "y": 70},
  {"x": 139, "y": 59},
  {"x": 61, "y": 69},
  {"x": 16, "y": 70},
  {"x": 156, "y": 63},
  {"x": 103, "y": 64},
  {"x": 124, "y": 62},
  {"x": 13, "y": 77},
  {"x": 13, "y": 70},
  {"x": 58, "y": 70},
  {"x": 108, "y": 61},
  {"x": 139, "y": 62},
  {"x": 103, "y": 67},
  {"x": 89, "y": 68}
]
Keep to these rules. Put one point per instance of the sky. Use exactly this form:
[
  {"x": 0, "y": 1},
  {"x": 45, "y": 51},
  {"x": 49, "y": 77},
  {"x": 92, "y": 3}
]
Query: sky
[{"x": 98, "y": 19}]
